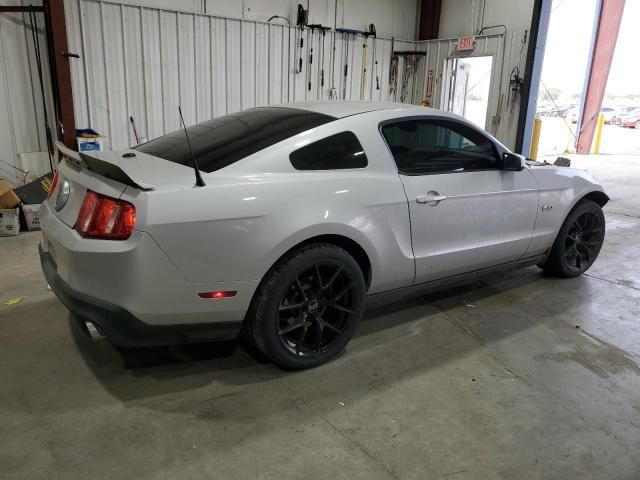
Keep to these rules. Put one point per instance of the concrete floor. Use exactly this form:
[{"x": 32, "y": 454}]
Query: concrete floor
[{"x": 514, "y": 377}]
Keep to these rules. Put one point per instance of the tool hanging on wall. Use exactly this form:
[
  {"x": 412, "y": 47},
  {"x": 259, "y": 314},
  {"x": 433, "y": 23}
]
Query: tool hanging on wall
[
  {"x": 515, "y": 84},
  {"x": 332, "y": 91},
  {"x": 377, "y": 77},
  {"x": 347, "y": 34},
  {"x": 410, "y": 58},
  {"x": 393, "y": 76},
  {"x": 135, "y": 131},
  {"x": 309, "y": 55},
  {"x": 313, "y": 27},
  {"x": 371, "y": 31},
  {"x": 303, "y": 16}
]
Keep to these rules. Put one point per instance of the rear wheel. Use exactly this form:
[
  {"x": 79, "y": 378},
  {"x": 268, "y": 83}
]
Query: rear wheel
[
  {"x": 579, "y": 241},
  {"x": 308, "y": 307}
]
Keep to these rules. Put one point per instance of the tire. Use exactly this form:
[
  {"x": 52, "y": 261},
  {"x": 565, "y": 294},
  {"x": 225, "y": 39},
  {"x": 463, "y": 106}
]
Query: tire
[
  {"x": 637, "y": 125},
  {"x": 307, "y": 307},
  {"x": 578, "y": 242}
]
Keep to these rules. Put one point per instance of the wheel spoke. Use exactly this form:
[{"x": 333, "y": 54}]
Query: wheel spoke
[
  {"x": 300, "y": 289},
  {"x": 584, "y": 252},
  {"x": 319, "y": 332},
  {"x": 340, "y": 307},
  {"x": 342, "y": 293},
  {"x": 319, "y": 277},
  {"x": 333, "y": 328},
  {"x": 591, "y": 243},
  {"x": 333, "y": 278},
  {"x": 290, "y": 328},
  {"x": 300, "y": 340},
  {"x": 291, "y": 306}
]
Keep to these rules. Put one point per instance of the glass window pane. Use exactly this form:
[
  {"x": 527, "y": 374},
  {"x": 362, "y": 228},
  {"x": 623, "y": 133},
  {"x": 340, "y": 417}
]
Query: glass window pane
[
  {"x": 339, "y": 151},
  {"x": 221, "y": 141},
  {"x": 439, "y": 146}
]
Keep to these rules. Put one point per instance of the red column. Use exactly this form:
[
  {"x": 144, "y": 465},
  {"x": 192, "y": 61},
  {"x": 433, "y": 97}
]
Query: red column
[
  {"x": 601, "y": 56},
  {"x": 61, "y": 72}
]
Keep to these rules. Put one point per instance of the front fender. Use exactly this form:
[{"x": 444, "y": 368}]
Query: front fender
[{"x": 561, "y": 189}]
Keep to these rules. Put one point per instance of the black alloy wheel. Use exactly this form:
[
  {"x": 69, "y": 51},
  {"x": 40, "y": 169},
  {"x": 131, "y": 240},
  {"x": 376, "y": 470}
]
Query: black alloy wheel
[
  {"x": 316, "y": 308},
  {"x": 578, "y": 242},
  {"x": 308, "y": 306},
  {"x": 583, "y": 241}
]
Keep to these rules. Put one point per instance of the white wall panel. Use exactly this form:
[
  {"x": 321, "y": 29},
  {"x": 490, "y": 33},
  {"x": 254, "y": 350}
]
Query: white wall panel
[
  {"x": 22, "y": 127},
  {"x": 465, "y": 17},
  {"x": 144, "y": 62}
]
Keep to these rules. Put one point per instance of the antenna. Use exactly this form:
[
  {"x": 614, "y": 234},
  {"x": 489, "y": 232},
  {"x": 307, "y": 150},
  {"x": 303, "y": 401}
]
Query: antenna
[{"x": 199, "y": 180}]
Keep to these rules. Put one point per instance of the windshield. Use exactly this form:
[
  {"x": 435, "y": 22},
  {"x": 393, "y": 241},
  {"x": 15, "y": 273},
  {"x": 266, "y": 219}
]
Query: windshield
[{"x": 221, "y": 141}]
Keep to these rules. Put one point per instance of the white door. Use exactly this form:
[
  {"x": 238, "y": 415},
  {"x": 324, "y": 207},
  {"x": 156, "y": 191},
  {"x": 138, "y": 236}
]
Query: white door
[{"x": 466, "y": 212}]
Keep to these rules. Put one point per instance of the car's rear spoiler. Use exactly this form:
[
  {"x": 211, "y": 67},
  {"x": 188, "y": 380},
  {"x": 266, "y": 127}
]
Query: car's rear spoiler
[{"x": 100, "y": 167}]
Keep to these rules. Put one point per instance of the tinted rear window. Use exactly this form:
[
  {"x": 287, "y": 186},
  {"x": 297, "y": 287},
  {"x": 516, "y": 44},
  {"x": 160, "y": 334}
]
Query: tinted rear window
[
  {"x": 339, "y": 151},
  {"x": 221, "y": 141}
]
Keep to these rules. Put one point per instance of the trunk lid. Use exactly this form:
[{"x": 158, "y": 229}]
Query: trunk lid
[{"x": 109, "y": 173}]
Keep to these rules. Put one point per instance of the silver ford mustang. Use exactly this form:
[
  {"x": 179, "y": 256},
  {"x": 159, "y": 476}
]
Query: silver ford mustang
[{"x": 302, "y": 211}]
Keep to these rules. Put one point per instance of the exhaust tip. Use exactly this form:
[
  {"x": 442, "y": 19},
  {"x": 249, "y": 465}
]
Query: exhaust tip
[{"x": 93, "y": 331}]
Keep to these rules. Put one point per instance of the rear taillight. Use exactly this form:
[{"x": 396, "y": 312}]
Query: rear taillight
[
  {"x": 105, "y": 217},
  {"x": 54, "y": 182}
]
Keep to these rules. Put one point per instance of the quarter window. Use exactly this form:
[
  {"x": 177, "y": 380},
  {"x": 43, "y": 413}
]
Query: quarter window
[
  {"x": 422, "y": 147},
  {"x": 336, "y": 152}
]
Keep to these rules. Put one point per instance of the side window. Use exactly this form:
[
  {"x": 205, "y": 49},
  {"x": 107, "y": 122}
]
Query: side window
[
  {"x": 339, "y": 151},
  {"x": 422, "y": 147}
]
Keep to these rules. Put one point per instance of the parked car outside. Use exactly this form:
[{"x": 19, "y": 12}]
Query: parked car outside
[
  {"x": 306, "y": 212},
  {"x": 631, "y": 120},
  {"x": 622, "y": 111}
]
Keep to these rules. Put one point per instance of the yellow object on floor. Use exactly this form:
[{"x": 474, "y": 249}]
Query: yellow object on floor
[{"x": 13, "y": 301}]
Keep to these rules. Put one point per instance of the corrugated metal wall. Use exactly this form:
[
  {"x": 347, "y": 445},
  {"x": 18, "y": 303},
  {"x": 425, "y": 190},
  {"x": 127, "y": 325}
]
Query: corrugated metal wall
[
  {"x": 144, "y": 62},
  {"x": 21, "y": 115}
]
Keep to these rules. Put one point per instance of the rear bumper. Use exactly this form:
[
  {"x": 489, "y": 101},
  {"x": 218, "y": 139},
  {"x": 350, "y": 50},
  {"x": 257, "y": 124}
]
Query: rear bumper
[{"x": 120, "y": 326}]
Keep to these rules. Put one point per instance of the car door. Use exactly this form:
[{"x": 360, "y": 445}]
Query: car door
[{"x": 466, "y": 212}]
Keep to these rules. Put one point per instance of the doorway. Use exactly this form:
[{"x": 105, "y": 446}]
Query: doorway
[{"x": 466, "y": 87}]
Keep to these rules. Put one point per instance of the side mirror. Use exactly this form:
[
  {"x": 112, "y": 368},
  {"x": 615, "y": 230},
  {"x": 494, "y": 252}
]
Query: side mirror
[{"x": 512, "y": 162}]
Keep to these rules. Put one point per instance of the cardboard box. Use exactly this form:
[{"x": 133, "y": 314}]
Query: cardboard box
[
  {"x": 9, "y": 221},
  {"x": 32, "y": 216},
  {"x": 90, "y": 144},
  {"x": 8, "y": 199},
  {"x": 89, "y": 140}
]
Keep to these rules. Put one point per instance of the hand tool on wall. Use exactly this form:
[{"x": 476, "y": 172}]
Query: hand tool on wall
[
  {"x": 332, "y": 91},
  {"x": 313, "y": 27},
  {"x": 324, "y": 31},
  {"x": 303, "y": 15},
  {"x": 371, "y": 31},
  {"x": 347, "y": 34},
  {"x": 310, "y": 33},
  {"x": 377, "y": 77},
  {"x": 135, "y": 131}
]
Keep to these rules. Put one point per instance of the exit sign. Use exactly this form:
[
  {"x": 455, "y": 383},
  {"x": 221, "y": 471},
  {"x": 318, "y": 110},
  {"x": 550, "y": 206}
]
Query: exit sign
[{"x": 465, "y": 43}]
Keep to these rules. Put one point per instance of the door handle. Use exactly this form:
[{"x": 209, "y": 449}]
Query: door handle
[{"x": 432, "y": 198}]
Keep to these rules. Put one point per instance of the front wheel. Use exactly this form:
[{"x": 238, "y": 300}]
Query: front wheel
[
  {"x": 579, "y": 241},
  {"x": 308, "y": 306}
]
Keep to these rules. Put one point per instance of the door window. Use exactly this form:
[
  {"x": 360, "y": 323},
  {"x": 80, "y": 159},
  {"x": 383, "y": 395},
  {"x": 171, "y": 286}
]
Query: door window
[{"x": 423, "y": 147}]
